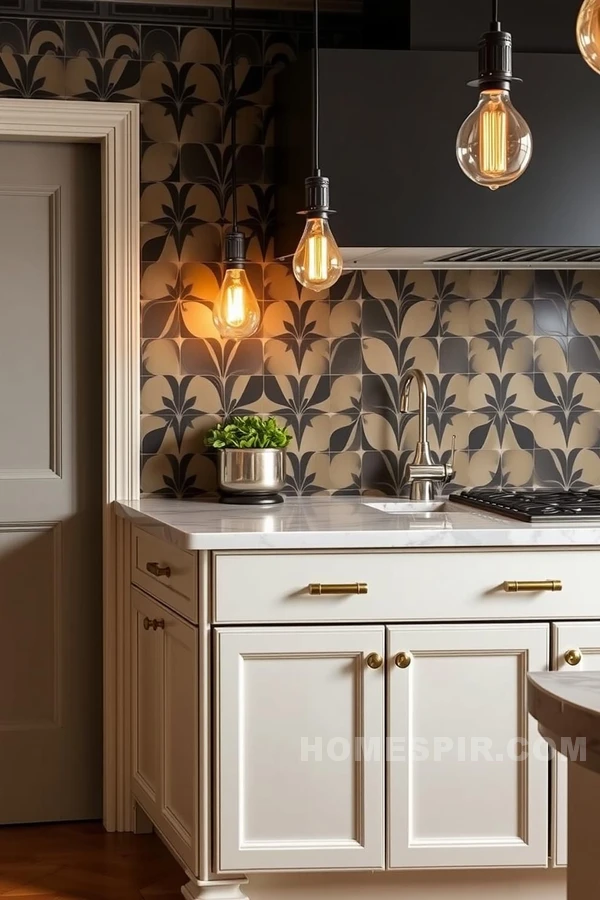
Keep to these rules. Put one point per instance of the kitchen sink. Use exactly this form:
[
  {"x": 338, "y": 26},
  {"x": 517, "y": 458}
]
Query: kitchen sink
[{"x": 412, "y": 508}]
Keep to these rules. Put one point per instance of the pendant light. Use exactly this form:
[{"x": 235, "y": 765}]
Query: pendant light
[
  {"x": 494, "y": 143},
  {"x": 317, "y": 262},
  {"x": 588, "y": 33},
  {"x": 236, "y": 313}
]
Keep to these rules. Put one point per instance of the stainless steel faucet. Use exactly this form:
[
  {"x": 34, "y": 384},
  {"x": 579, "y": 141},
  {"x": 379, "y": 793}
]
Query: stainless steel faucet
[{"x": 421, "y": 472}]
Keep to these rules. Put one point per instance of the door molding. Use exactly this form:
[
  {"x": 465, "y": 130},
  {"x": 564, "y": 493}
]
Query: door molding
[{"x": 115, "y": 126}]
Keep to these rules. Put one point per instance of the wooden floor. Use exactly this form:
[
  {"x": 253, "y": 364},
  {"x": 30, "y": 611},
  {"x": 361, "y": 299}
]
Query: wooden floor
[{"x": 82, "y": 862}]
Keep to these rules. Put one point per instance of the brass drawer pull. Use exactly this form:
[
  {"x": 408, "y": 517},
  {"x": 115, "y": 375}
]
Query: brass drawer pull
[
  {"x": 573, "y": 657},
  {"x": 158, "y": 571},
  {"x": 319, "y": 589},
  {"x": 403, "y": 660},
  {"x": 514, "y": 587},
  {"x": 374, "y": 660},
  {"x": 153, "y": 623}
]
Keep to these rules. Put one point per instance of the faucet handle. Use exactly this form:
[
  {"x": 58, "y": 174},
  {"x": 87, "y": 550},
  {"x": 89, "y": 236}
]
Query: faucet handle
[{"x": 450, "y": 471}]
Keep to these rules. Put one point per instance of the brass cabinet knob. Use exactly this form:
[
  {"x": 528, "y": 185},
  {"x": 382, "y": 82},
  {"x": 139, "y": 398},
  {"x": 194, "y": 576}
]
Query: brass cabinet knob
[
  {"x": 515, "y": 587},
  {"x": 356, "y": 587},
  {"x": 158, "y": 571},
  {"x": 403, "y": 660},
  {"x": 153, "y": 623},
  {"x": 374, "y": 660},
  {"x": 573, "y": 657}
]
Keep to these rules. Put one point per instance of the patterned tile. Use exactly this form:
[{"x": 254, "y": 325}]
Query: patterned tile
[
  {"x": 203, "y": 44},
  {"x": 45, "y": 37},
  {"x": 102, "y": 40},
  {"x": 32, "y": 77},
  {"x": 102, "y": 79},
  {"x": 14, "y": 36},
  {"x": 160, "y": 43}
]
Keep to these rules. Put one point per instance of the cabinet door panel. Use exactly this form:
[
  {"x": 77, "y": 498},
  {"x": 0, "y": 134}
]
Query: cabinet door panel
[
  {"x": 462, "y": 791},
  {"x": 583, "y": 636},
  {"x": 165, "y": 723},
  {"x": 179, "y": 788},
  {"x": 146, "y": 652},
  {"x": 294, "y": 793}
]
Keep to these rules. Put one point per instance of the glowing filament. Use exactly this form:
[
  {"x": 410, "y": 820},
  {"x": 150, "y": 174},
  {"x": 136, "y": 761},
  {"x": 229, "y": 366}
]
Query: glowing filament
[
  {"x": 236, "y": 312},
  {"x": 494, "y": 141},
  {"x": 316, "y": 263},
  {"x": 233, "y": 303}
]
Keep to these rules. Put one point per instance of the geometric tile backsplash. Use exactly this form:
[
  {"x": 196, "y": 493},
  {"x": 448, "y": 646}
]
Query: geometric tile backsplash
[{"x": 512, "y": 359}]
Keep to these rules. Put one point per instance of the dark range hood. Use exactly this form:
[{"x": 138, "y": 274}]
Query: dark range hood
[{"x": 389, "y": 120}]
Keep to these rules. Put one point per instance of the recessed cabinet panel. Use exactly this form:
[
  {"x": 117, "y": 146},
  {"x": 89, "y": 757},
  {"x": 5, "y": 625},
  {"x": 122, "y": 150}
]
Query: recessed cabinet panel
[
  {"x": 566, "y": 638},
  {"x": 145, "y": 701},
  {"x": 165, "y": 723},
  {"x": 468, "y": 785},
  {"x": 295, "y": 789},
  {"x": 179, "y": 803}
]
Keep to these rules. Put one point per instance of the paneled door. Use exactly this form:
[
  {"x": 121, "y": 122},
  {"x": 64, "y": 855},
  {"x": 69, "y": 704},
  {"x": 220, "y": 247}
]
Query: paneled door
[
  {"x": 50, "y": 482},
  {"x": 576, "y": 647},
  {"x": 467, "y": 770},
  {"x": 300, "y": 748}
]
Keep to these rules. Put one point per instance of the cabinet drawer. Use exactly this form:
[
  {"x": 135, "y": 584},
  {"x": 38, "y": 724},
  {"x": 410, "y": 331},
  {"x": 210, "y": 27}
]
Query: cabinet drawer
[
  {"x": 166, "y": 572},
  {"x": 403, "y": 585}
]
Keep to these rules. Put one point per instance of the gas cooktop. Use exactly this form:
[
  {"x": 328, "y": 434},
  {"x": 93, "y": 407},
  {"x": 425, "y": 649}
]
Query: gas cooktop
[{"x": 534, "y": 506}]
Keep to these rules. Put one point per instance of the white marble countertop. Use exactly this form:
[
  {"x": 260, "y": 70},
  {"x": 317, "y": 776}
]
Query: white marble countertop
[
  {"x": 567, "y": 707},
  {"x": 341, "y": 523}
]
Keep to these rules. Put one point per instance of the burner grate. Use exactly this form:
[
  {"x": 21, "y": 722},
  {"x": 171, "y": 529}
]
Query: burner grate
[{"x": 534, "y": 506}]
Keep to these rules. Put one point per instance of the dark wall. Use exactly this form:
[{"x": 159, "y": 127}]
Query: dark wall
[
  {"x": 536, "y": 25},
  {"x": 386, "y": 25}
]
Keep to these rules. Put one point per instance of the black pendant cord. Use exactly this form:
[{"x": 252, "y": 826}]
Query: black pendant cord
[
  {"x": 233, "y": 104},
  {"x": 495, "y": 15},
  {"x": 235, "y": 243},
  {"x": 315, "y": 86},
  {"x": 316, "y": 186}
]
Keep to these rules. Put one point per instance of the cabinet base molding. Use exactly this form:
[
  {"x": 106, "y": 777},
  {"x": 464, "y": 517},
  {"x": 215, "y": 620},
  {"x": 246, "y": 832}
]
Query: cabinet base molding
[{"x": 213, "y": 890}]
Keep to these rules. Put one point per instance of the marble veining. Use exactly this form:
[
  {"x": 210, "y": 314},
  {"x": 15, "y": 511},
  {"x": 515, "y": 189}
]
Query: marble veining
[{"x": 340, "y": 523}]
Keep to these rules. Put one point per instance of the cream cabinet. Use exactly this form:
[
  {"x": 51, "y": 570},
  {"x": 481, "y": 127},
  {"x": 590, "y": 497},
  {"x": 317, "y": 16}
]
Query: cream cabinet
[
  {"x": 302, "y": 738},
  {"x": 315, "y": 710},
  {"x": 300, "y": 775},
  {"x": 165, "y": 716},
  {"x": 576, "y": 646},
  {"x": 463, "y": 788}
]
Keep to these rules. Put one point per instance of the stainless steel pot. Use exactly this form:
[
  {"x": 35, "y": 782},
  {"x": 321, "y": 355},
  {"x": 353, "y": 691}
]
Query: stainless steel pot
[{"x": 252, "y": 472}]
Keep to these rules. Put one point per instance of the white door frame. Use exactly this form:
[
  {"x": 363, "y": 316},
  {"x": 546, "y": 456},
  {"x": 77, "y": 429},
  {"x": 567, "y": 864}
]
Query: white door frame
[{"x": 115, "y": 126}]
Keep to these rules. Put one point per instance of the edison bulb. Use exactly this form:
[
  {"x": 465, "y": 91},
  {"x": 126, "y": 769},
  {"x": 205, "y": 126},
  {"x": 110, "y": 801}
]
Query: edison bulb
[
  {"x": 317, "y": 261},
  {"x": 494, "y": 144},
  {"x": 588, "y": 33},
  {"x": 236, "y": 312}
]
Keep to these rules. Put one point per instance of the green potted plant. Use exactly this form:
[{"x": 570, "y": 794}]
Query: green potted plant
[{"x": 251, "y": 459}]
